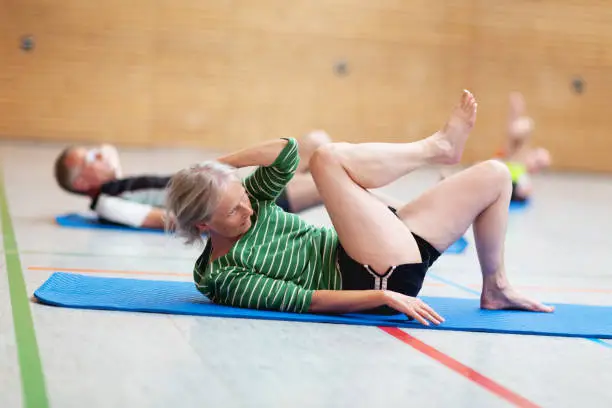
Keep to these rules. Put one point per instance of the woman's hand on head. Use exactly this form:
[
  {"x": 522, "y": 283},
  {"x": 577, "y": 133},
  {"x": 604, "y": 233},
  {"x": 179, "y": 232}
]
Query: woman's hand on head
[{"x": 413, "y": 307}]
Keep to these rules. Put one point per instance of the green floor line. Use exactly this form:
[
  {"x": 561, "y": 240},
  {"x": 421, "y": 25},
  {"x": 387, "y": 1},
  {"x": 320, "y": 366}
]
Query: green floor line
[{"x": 32, "y": 378}]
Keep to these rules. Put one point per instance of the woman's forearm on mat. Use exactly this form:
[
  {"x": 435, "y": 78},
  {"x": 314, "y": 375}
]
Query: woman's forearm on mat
[
  {"x": 263, "y": 154},
  {"x": 346, "y": 301}
]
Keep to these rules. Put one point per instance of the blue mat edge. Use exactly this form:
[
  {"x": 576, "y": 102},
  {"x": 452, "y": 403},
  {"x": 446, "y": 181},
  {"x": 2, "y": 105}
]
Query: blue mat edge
[
  {"x": 92, "y": 223},
  {"x": 519, "y": 205},
  {"x": 348, "y": 319},
  {"x": 458, "y": 247}
]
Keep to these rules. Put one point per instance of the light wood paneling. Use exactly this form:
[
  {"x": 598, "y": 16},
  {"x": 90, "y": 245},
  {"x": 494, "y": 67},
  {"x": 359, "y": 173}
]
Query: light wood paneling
[
  {"x": 232, "y": 72},
  {"x": 259, "y": 71},
  {"x": 538, "y": 47},
  {"x": 89, "y": 77}
]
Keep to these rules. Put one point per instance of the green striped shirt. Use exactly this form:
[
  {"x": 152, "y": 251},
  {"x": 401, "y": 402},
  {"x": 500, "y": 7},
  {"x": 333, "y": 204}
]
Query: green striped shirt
[{"x": 281, "y": 260}]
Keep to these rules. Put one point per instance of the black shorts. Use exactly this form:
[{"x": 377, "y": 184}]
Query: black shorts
[
  {"x": 406, "y": 279},
  {"x": 283, "y": 201}
]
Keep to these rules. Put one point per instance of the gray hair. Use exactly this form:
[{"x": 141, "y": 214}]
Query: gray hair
[{"x": 193, "y": 195}]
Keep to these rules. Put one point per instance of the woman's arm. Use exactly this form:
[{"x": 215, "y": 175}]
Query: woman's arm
[
  {"x": 238, "y": 287},
  {"x": 348, "y": 301},
  {"x": 276, "y": 168},
  {"x": 263, "y": 154}
]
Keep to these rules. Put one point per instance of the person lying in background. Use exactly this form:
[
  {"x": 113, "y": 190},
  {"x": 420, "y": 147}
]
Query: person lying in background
[
  {"x": 522, "y": 159},
  {"x": 139, "y": 200}
]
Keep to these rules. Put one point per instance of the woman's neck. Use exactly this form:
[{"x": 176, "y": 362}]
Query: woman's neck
[{"x": 221, "y": 245}]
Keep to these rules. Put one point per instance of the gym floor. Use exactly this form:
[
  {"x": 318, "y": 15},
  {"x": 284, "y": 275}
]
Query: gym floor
[{"x": 557, "y": 250}]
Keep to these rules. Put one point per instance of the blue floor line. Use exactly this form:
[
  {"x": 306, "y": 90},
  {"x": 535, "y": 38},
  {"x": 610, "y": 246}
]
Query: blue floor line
[{"x": 453, "y": 284}]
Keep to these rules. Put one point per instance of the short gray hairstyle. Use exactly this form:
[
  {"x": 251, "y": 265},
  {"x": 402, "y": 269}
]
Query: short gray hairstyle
[{"x": 192, "y": 196}]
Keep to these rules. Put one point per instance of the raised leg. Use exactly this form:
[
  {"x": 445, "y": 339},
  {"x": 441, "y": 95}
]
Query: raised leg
[
  {"x": 479, "y": 195},
  {"x": 302, "y": 192},
  {"x": 519, "y": 128},
  {"x": 374, "y": 165},
  {"x": 369, "y": 232}
]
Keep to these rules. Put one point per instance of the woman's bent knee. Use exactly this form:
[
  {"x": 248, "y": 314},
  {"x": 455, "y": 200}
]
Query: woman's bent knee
[
  {"x": 497, "y": 176},
  {"x": 315, "y": 139},
  {"x": 496, "y": 170},
  {"x": 327, "y": 155}
]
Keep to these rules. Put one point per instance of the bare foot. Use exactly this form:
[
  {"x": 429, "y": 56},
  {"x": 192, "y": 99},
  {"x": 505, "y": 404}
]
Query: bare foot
[
  {"x": 450, "y": 141},
  {"x": 509, "y": 299}
]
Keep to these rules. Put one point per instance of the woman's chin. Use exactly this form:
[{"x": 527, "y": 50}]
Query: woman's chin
[{"x": 245, "y": 227}]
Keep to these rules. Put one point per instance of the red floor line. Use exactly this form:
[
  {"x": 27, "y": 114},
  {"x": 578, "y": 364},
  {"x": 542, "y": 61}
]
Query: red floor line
[{"x": 460, "y": 369}]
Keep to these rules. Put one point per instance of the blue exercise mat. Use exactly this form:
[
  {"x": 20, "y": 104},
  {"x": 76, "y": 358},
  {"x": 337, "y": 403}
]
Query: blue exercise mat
[
  {"x": 516, "y": 206},
  {"x": 75, "y": 220},
  {"x": 182, "y": 298},
  {"x": 458, "y": 247}
]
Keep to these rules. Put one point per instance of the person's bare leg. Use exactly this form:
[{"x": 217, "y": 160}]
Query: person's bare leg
[
  {"x": 387, "y": 199},
  {"x": 446, "y": 171},
  {"x": 369, "y": 232},
  {"x": 479, "y": 195},
  {"x": 302, "y": 193},
  {"x": 307, "y": 146},
  {"x": 519, "y": 128},
  {"x": 374, "y": 165}
]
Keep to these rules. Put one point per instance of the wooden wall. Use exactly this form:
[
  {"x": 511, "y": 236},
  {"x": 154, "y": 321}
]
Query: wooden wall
[{"x": 228, "y": 73}]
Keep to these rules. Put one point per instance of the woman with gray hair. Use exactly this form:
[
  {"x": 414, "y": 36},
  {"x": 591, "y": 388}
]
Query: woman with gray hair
[{"x": 375, "y": 257}]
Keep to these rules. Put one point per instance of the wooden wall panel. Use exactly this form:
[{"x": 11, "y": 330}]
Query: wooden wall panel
[
  {"x": 232, "y": 72},
  {"x": 88, "y": 78},
  {"x": 539, "y": 47},
  {"x": 267, "y": 70}
]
